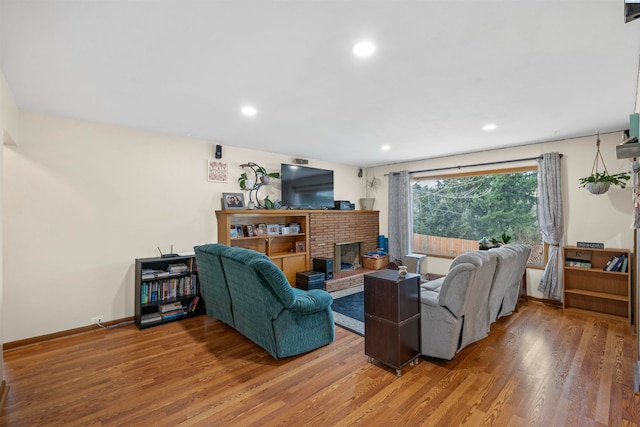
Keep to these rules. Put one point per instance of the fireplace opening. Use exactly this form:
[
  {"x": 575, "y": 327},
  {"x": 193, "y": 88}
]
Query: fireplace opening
[{"x": 348, "y": 256}]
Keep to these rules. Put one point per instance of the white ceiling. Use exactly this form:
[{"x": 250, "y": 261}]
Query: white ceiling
[{"x": 540, "y": 70}]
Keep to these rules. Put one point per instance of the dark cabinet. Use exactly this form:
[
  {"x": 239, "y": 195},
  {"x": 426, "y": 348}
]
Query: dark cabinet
[{"x": 392, "y": 318}]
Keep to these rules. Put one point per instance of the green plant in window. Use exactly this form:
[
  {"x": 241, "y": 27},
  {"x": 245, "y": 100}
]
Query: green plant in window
[{"x": 504, "y": 239}]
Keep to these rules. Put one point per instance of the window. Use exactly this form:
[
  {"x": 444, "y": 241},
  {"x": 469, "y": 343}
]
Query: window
[{"x": 451, "y": 213}]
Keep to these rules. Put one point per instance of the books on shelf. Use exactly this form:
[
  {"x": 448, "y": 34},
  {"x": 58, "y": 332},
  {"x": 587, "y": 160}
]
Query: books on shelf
[
  {"x": 618, "y": 263},
  {"x": 169, "y": 288},
  {"x": 165, "y": 308},
  {"x": 149, "y": 273},
  {"x": 150, "y": 317},
  {"x": 574, "y": 263},
  {"x": 178, "y": 268},
  {"x": 173, "y": 314},
  {"x": 172, "y": 269},
  {"x": 609, "y": 263},
  {"x": 169, "y": 311},
  {"x": 193, "y": 305}
]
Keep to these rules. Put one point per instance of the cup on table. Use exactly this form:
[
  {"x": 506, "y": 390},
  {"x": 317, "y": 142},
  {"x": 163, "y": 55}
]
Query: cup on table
[{"x": 402, "y": 270}]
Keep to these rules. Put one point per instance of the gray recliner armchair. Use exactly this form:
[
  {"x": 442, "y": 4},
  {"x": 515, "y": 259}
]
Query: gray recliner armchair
[
  {"x": 442, "y": 312},
  {"x": 514, "y": 289},
  {"x": 455, "y": 309}
]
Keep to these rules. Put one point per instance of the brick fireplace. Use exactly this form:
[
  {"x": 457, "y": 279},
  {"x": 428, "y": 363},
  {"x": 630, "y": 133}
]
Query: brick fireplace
[{"x": 326, "y": 228}]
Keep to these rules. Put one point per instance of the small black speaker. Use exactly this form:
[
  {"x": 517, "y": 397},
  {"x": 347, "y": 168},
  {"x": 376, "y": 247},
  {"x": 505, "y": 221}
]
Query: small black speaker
[
  {"x": 218, "y": 151},
  {"x": 324, "y": 265}
]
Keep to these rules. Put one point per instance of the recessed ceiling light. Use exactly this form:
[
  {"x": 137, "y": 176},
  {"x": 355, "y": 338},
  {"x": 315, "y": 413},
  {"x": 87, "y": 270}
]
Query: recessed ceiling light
[
  {"x": 385, "y": 148},
  {"x": 490, "y": 126},
  {"x": 364, "y": 49},
  {"x": 249, "y": 111}
]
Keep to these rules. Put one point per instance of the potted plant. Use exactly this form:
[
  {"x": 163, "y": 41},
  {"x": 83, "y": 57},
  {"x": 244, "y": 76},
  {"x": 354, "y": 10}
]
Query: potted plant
[
  {"x": 372, "y": 185},
  {"x": 504, "y": 239},
  {"x": 261, "y": 176},
  {"x": 265, "y": 177},
  {"x": 484, "y": 244},
  {"x": 253, "y": 183},
  {"x": 245, "y": 181},
  {"x": 599, "y": 183}
]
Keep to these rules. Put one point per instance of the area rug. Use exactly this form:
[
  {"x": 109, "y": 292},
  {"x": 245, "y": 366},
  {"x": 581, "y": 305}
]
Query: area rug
[{"x": 348, "y": 309}]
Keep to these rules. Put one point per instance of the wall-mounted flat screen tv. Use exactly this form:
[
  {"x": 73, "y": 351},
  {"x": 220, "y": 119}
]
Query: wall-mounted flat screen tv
[{"x": 306, "y": 188}]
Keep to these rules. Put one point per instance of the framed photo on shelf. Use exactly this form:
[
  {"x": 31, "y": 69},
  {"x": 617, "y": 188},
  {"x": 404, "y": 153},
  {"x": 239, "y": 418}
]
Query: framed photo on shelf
[
  {"x": 233, "y": 201},
  {"x": 301, "y": 247},
  {"x": 273, "y": 229},
  {"x": 251, "y": 230},
  {"x": 262, "y": 230},
  {"x": 233, "y": 233},
  {"x": 239, "y": 232}
]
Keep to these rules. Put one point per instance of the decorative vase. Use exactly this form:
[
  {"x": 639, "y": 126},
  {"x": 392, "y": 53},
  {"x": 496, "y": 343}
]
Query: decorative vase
[
  {"x": 265, "y": 179},
  {"x": 366, "y": 204},
  {"x": 598, "y": 187}
]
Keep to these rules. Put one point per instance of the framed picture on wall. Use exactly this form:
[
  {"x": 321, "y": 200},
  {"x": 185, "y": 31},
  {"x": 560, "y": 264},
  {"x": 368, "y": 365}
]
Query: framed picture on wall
[
  {"x": 233, "y": 200},
  {"x": 217, "y": 171}
]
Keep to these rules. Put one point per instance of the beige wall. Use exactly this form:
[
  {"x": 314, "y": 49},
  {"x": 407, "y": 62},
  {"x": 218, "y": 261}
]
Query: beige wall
[
  {"x": 83, "y": 200},
  {"x": 9, "y": 132},
  {"x": 605, "y": 218}
]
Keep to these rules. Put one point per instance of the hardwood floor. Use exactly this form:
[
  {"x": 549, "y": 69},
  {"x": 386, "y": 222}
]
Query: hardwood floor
[{"x": 539, "y": 367}]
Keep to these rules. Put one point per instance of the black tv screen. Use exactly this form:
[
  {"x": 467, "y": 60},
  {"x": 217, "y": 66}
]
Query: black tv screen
[{"x": 306, "y": 188}]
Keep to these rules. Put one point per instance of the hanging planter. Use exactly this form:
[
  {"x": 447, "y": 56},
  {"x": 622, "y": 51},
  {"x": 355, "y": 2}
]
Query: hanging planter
[
  {"x": 598, "y": 187},
  {"x": 599, "y": 182}
]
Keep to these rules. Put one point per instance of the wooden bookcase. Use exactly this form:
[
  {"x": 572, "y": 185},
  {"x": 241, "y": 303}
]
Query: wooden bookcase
[
  {"x": 290, "y": 251},
  {"x": 595, "y": 289},
  {"x": 162, "y": 287}
]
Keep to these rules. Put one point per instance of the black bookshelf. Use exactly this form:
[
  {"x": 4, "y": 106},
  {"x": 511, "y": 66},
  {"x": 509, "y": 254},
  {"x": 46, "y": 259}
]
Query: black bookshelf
[{"x": 166, "y": 290}]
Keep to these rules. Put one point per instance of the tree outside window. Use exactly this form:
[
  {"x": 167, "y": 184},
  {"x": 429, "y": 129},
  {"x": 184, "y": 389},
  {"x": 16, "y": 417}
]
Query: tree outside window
[{"x": 451, "y": 213}]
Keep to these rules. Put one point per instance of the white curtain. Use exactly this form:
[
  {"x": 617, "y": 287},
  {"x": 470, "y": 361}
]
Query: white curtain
[
  {"x": 400, "y": 216},
  {"x": 550, "y": 220}
]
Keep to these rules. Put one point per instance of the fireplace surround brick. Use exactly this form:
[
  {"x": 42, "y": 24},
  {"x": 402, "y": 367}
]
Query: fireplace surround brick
[
  {"x": 329, "y": 227},
  {"x": 326, "y": 228}
]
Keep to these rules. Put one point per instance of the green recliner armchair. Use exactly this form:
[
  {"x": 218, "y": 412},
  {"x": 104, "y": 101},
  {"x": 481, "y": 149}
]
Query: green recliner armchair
[{"x": 244, "y": 289}]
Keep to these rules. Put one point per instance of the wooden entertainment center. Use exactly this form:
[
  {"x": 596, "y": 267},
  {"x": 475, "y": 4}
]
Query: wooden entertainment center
[{"x": 319, "y": 230}]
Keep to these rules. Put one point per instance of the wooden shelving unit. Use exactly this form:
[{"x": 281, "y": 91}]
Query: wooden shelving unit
[
  {"x": 281, "y": 248},
  {"x": 595, "y": 289}
]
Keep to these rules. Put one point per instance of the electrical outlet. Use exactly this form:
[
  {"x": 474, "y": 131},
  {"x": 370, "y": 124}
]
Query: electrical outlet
[{"x": 96, "y": 320}]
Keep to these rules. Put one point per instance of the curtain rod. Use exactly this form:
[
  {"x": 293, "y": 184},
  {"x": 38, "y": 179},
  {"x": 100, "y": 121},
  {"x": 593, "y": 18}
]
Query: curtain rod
[{"x": 474, "y": 165}]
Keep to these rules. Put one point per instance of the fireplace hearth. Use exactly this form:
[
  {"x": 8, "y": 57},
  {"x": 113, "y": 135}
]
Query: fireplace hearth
[{"x": 348, "y": 255}]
